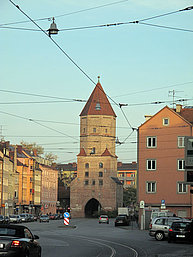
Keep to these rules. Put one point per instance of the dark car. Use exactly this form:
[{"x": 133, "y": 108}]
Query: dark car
[
  {"x": 180, "y": 231},
  {"x": 2, "y": 220},
  {"x": 121, "y": 221},
  {"x": 128, "y": 218},
  {"x": 18, "y": 241}
]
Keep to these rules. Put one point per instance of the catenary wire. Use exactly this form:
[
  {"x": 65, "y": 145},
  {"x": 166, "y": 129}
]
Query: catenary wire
[
  {"x": 66, "y": 14},
  {"x": 68, "y": 57}
]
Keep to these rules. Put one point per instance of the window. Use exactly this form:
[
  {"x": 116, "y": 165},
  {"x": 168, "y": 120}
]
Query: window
[
  {"x": 100, "y": 174},
  {"x": 86, "y": 182},
  {"x": 151, "y": 187},
  {"x": 159, "y": 222},
  {"x": 93, "y": 151},
  {"x": 165, "y": 121},
  {"x": 87, "y": 165},
  {"x": 151, "y": 142},
  {"x": 84, "y": 130},
  {"x": 94, "y": 130},
  {"x": 151, "y": 164},
  {"x": 181, "y": 164},
  {"x": 87, "y": 174},
  {"x": 93, "y": 182},
  {"x": 182, "y": 187},
  {"x": 181, "y": 142},
  {"x": 98, "y": 106},
  {"x": 106, "y": 130},
  {"x": 100, "y": 165},
  {"x": 100, "y": 182}
]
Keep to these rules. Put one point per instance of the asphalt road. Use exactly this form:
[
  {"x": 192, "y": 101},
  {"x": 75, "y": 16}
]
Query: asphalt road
[{"x": 88, "y": 238}]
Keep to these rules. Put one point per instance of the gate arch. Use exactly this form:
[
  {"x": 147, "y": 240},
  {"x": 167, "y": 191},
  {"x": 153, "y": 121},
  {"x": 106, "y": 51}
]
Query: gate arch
[{"x": 92, "y": 208}]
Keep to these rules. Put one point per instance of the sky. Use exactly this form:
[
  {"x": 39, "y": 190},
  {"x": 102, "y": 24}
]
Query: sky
[{"x": 43, "y": 89}]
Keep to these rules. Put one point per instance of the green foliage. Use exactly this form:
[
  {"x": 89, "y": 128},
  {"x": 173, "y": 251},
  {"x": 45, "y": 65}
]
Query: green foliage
[{"x": 129, "y": 196}]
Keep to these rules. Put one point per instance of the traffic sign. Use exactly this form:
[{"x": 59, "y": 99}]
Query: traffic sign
[
  {"x": 66, "y": 221},
  {"x": 66, "y": 215}
]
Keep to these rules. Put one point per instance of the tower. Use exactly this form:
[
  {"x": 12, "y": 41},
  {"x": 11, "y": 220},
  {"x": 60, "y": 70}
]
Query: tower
[{"x": 96, "y": 187}]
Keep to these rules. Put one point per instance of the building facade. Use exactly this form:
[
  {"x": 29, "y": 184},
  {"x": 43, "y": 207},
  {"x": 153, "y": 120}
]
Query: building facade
[
  {"x": 96, "y": 186},
  {"x": 127, "y": 174},
  {"x": 161, "y": 161}
]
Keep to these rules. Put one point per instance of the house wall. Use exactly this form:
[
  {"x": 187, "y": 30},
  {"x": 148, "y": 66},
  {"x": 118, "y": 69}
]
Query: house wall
[{"x": 166, "y": 155}]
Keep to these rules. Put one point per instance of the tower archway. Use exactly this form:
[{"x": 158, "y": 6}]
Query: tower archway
[{"x": 92, "y": 207}]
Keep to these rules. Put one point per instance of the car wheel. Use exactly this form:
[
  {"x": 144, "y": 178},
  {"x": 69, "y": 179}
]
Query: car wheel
[{"x": 159, "y": 236}]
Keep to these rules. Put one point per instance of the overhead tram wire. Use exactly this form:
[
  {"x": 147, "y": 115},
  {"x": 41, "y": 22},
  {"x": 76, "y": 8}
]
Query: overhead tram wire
[
  {"x": 62, "y": 15},
  {"x": 67, "y": 56},
  {"x": 141, "y": 21},
  {"x": 36, "y": 122}
]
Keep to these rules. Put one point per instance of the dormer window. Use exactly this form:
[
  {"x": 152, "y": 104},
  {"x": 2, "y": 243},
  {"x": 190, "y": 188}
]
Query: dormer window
[{"x": 98, "y": 106}]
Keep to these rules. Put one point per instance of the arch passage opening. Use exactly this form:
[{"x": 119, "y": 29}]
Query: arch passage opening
[{"x": 92, "y": 208}]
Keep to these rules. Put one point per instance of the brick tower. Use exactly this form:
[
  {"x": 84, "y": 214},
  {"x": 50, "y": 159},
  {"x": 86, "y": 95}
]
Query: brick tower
[{"x": 96, "y": 187}]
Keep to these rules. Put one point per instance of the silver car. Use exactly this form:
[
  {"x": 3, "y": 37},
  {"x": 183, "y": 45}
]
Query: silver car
[{"x": 159, "y": 227}]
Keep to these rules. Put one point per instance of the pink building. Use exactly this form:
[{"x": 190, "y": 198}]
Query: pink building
[{"x": 49, "y": 189}]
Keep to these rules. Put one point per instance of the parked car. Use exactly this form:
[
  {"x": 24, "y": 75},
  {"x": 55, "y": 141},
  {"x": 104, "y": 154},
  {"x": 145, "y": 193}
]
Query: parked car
[
  {"x": 35, "y": 217},
  {"x": 103, "y": 219},
  {"x": 159, "y": 227},
  {"x": 127, "y": 218},
  {"x": 44, "y": 218},
  {"x": 15, "y": 218},
  {"x": 52, "y": 217},
  {"x": 179, "y": 231},
  {"x": 2, "y": 220},
  {"x": 17, "y": 240},
  {"x": 6, "y": 220},
  {"x": 121, "y": 221},
  {"x": 24, "y": 217},
  {"x": 31, "y": 217},
  {"x": 57, "y": 216}
]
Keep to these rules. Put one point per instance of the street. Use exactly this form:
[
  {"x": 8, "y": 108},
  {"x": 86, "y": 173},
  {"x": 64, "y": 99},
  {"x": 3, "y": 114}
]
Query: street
[{"x": 88, "y": 238}]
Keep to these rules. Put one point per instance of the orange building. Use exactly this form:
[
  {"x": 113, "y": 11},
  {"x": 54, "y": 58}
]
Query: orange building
[
  {"x": 161, "y": 160},
  {"x": 127, "y": 174}
]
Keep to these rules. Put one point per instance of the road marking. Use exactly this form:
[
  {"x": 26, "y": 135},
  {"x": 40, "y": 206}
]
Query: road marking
[{"x": 125, "y": 246}]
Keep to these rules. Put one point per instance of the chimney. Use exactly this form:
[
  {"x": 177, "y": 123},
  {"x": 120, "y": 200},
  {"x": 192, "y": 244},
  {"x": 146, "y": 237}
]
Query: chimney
[
  {"x": 178, "y": 108},
  {"x": 147, "y": 117},
  {"x": 19, "y": 149},
  {"x": 35, "y": 152}
]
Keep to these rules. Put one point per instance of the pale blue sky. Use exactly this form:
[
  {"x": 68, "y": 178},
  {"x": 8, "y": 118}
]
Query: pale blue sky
[{"x": 137, "y": 64}]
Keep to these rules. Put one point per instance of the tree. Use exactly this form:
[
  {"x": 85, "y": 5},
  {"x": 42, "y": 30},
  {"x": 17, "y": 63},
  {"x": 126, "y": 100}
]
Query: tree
[
  {"x": 51, "y": 157},
  {"x": 129, "y": 196},
  {"x": 33, "y": 146}
]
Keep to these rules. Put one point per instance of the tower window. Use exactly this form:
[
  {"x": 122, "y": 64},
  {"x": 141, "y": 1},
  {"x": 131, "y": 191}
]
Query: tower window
[
  {"x": 94, "y": 130},
  {"x": 100, "y": 174},
  {"x": 87, "y": 165},
  {"x": 86, "y": 182},
  {"x": 86, "y": 174},
  {"x": 93, "y": 182},
  {"x": 98, "y": 106},
  {"x": 100, "y": 165},
  {"x": 93, "y": 151}
]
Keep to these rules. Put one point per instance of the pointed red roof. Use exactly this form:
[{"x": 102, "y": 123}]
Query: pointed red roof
[
  {"x": 106, "y": 153},
  {"x": 82, "y": 152},
  {"x": 98, "y": 103}
]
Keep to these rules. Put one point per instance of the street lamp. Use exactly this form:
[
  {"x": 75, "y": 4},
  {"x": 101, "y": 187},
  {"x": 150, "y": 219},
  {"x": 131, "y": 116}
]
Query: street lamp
[{"x": 53, "y": 29}]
